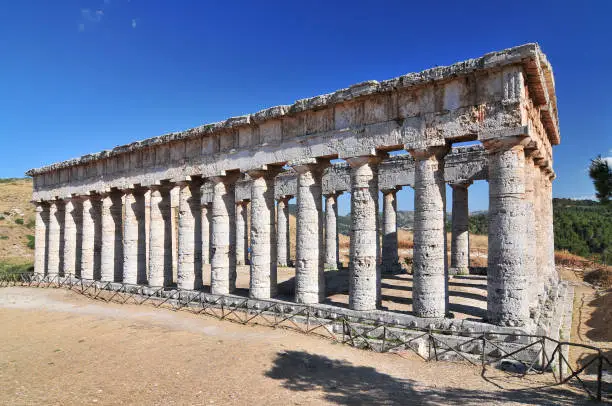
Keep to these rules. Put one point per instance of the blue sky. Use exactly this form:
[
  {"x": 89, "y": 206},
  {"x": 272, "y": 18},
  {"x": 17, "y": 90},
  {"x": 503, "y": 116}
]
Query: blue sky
[{"x": 82, "y": 76}]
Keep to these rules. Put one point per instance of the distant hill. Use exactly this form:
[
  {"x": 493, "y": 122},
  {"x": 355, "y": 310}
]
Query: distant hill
[{"x": 16, "y": 221}]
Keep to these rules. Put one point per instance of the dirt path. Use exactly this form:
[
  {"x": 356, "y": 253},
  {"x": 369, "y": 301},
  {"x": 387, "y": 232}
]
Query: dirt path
[{"x": 61, "y": 348}]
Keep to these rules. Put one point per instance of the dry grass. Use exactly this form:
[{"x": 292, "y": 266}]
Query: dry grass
[
  {"x": 565, "y": 258},
  {"x": 15, "y": 208}
]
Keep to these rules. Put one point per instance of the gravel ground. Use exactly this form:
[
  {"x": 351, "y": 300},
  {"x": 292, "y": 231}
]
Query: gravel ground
[{"x": 62, "y": 348}]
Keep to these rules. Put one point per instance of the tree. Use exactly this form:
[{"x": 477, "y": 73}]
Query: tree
[{"x": 601, "y": 173}]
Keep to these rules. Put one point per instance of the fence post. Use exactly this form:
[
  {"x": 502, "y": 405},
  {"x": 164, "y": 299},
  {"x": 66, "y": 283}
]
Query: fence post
[
  {"x": 599, "y": 369},
  {"x": 560, "y": 365}
]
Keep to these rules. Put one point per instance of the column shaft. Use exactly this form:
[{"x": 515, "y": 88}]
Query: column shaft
[
  {"x": 390, "y": 256},
  {"x": 507, "y": 302},
  {"x": 87, "y": 248},
  {"x": 205, "y": 220},
  {"x": 223, "y": 261},
  {"x": 460, "y": 236},
  {"x": 364, "y": 279},
  {"x": 189, "y": 238},
  {"x": 534, "y": 287},
  {"x": 107, "y": 260},
  {"x": 70, "y": 239},
  {"x": 429, "y": 294},
  {"x": 53, "y": 252},
  {"x": 553, "y": 276},
  {"x": 241, "y": 233},
  {"x": 332, "y": 257},
  {"x": 263, "y": 282},
  {"x": 282, "y": 231},
  {"x": 309, "y": 262},
  {"x": 40, "y": 250},
  {"x": 160, "y": 238},
  {"x": 134, "y": 239}
]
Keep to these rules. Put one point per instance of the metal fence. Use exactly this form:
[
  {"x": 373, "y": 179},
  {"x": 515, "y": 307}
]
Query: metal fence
[{"x": 536, "y": 355}]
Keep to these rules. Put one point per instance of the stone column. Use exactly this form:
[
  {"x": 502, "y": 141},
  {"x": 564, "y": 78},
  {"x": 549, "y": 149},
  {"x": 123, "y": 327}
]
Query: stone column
[
  {"x": 241, "y": 233},
  {"x": 205, "y": 220},
  {"x": 263, "y": 282},
  {"x": 134, "y": 238},
  {"x": 429, "y": 291},
  {"x": 332, "y": 257},
  {"x": 309, "y": 261},
  {"x": 107, "y": 260},
  {"x": 507, "y": 302},
  {"x": 53, "y": 251},
  {"x": 534, "y": 287},
  {"x": 160, "y": 238},
  {"x": 282, "y": 231},
  {"x": 70, "y": 238},
  {"x": 174, "y": 197},
  {"x": 87, "y": 247},
  {"x": 460, "y": 235},
  {"x": 364, "y": 279},
  {"x": 189, "y": 237},
  {"x": 40, "y": 250},
  {"x": 223, "y": 261},
  {"x": 390, "y": 256},
  {"x": 549, "y": 232}
]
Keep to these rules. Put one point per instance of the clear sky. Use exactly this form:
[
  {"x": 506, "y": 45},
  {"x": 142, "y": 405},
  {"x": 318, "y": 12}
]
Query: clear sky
[{"x": 82, "y": 76}]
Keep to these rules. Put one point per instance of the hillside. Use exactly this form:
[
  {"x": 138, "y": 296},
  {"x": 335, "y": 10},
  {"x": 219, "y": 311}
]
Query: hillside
[{"x": 16, "y": 221}]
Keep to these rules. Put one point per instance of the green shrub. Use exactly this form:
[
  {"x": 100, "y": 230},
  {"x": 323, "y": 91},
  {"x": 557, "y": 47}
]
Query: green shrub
[
  {"x": 10, "y": 271},
  {"x": 31, "y": 223},
  {"x": 1, "y": 217},
  {"x": 19, "y": 221},
  {"x": 3, "y": 237},
  {"x": 31, "y": 241}
]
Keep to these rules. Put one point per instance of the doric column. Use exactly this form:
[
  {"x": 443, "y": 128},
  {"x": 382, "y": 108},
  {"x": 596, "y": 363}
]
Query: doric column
[
  {"x": 534, "y": 287},
  {"x": 460, "y": 236},
  {"x": 70, "y": 237},
  {"x": 332, "y": 256},
  {"x": 390, "y": 256},
  {"x": 309, "y": 258},
  {"x": 89, "y": 231},
  {"x": 282, "y": 231},
  {"x": 109, "y": 235},
  {"x": 160, "y": 238},
  {"x": 241, "y": 233},
  {"x": 206, "y": 218},
  {"x": 223, "y": 261},
  {"x": 429, "y": 291},
  {"x": 364, "y": 279},
  {"x": 40, "y": 250},
  {"x": 53, "y": 251},
  {"x": 549, "y": 232},
  {"x": 189, "y": 237},
  {"x": 507, "y": 301},
  {"x": 174, "y": 197},
  {"x": 263, "y": 282},
  {"x": 134, "y": 238}
]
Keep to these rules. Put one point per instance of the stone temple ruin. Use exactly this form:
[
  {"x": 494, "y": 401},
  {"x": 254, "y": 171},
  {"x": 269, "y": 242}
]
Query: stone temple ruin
[{"x": 107, "y": 216}]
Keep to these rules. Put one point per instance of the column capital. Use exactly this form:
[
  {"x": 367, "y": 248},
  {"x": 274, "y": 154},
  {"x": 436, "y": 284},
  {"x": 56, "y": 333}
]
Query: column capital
[
  {"x": 358, "y": 161},
  {"x": 429, "y": 152},
  {"x": 265, "y": 171},
  {"x": 309, "y": 164},
  {"x": 284, "y": 198},
  {"x": 494, "y": 145},
  {"x": 390, "y": 190},
  {"x": 460, "y": 184},
  {"x": 225, "y": 177}
]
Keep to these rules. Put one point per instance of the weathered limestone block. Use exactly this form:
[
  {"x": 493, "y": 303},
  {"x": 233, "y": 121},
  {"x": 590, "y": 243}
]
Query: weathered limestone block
[
  {"x": 332, "y": 256},
  {"x": 430, "y": 286},
  {"x": 134, "y": 238},
  {"x": 40, "y": 250},
  {"x": 54, "y": 252},
  {"x": 507, "y": 301},
  {"x": 189, "y": 237},
  {"x": 241, "y": 233},
  {"x": 364, "y": 279},
  {"x": 460, "y": 236},
  {"x": 390, "y": 256},
  {"x": 160, "y": 238},
  {"x": 282, "y": 231},
  {"x": 70, "y": 238},
  {"x": 223, "y": 261},
  {"x": 309, "y": 257},
  {"x": 263, "y": 282}
]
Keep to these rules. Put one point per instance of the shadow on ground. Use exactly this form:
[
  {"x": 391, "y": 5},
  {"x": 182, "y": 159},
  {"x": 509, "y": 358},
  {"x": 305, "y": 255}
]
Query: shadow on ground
[{"x": 346, "y": 384}]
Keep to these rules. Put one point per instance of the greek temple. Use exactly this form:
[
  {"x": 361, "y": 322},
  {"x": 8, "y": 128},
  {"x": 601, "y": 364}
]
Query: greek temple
[{"x": 109, "y": 216}]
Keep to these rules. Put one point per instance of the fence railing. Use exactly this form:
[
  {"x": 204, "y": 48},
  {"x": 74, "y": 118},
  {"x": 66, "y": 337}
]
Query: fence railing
[{"x": 536, "y": 355}]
